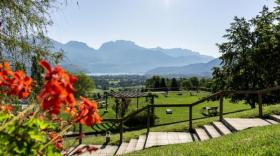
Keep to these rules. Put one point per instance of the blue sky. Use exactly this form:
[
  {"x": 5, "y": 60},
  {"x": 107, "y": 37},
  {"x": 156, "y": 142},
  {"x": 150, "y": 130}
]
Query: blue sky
[{"x": 193, "y": 24}]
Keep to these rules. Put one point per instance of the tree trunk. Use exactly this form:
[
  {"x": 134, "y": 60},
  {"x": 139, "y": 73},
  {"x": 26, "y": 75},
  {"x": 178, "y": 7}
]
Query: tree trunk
[{"x": 252, "y": 103}]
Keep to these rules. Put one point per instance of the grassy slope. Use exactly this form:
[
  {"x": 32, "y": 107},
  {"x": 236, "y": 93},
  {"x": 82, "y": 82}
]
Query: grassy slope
[
  {"x": 179, "y": 114},
  {"x": 274, "y": 109},
  {"x": 255, "y": 141}
]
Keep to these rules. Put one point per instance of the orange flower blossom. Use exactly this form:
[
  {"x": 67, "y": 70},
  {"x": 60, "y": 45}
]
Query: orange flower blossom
[
  {"x": 57, "y": 90},
  {"x": 14, "y": 83},
  {"x": 88, "y": 113}
]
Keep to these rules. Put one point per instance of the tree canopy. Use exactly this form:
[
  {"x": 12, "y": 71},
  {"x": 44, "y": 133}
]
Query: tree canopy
[
  {"x": 23, "y": 26},
  {"x": 84, "y": 85},
  {"x": 250, "y": 55}
]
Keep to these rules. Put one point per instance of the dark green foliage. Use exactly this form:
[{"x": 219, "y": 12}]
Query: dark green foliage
[
  {"x": 157, "y": 83},
  {"x": 20, "y": 66},
  {"x": 194, "y": 82},
  {"x": 174, "y": 85},
  {"x": 186, "y": 84},
  {"x": 25, "y": 137},
  {"x": 37, "y": 73},
  {"x": 163, "y": 85},
  {"x": 84, "y": 85},
  {"x": 250, "y": 56},
  {"x": 140, "y": 120},
  {"x": 153, "y": 83},
  {"x": 121, "y": 106}
]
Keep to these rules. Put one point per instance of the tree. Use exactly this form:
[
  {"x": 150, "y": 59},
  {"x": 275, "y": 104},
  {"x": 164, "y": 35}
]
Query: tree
[
  {"x": 84, "y": 85},
  {"x": 194, "y": 82},
  {"x": 37, "y": 73},
  {"x": 153, "y": 83},
  {"x": 174, "y": 85},
  {"x": 162, "y": 84},
  {"x": 186, "y": 84},
  {"x": 23, "y": 26},
  {"x": 250, "y": 56}
]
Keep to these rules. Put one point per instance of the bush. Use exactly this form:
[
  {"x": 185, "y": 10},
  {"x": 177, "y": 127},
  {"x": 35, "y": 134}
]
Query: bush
[{"x": 140, "y": 120}]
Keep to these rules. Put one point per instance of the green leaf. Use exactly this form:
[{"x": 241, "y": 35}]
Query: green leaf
[{"x": 4, "y": 116}]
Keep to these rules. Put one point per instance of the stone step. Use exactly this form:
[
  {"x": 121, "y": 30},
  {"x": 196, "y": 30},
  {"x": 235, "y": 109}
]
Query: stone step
[
  {"x": 140, "y": 143},
  {"x": 185, "y": 137},
  {"x": 131, "y": 146},
  {"x": 156, "y": 139},
  {"x": 275, "y": 117},
  {"x": 173, "y": 138},
  {"x": 107, "y": 150},
  {"x": 271, "y": 121},
  {"x": 122, "y": 148},
  {"x": 151, "y": 140},
  {"x": 194, "y": 137},
  {"x": 238, "y": 124},
  {"x": 202, "y": 135},
  {"x": 221, "y": 128},
  {"x": 211, "y": 131}
]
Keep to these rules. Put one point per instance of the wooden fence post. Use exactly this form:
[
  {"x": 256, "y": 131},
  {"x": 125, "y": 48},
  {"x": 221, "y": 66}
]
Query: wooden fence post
[
  {"x": 121, "y": 131},
  {"x": 80, "y": 133},
  {"x": 190, "y": 118},
  {"x": 106, "y": 99},
  {"x": 148, "y": 120},
  {"x": 260, "y": 104},
  {"x": 137, "y": 101},
  {"x": 153, "y": 102},
  {"x": 221, "y": 106}
]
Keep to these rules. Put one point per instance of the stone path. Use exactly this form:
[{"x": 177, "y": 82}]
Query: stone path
[{"x": 213, "y": 130}]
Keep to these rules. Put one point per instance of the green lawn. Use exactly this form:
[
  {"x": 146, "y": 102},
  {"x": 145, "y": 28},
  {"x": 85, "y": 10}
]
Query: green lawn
[
  {"x": 179, "y": 114},
  {"x": 274, "y": 109},
  {"x": 256, "y": 141}
]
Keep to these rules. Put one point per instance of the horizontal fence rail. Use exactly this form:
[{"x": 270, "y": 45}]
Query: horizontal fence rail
[{"x": 221, "y": 94}]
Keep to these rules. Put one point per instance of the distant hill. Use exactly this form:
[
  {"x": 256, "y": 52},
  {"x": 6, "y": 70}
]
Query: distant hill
[
  {"x": 198, "y": 69},
  {"x": 123, "y": 57}
]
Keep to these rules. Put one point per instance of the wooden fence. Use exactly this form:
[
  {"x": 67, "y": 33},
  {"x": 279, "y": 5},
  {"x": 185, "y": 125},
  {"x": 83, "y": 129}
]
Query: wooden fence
[{"x": 150, "y": 108}]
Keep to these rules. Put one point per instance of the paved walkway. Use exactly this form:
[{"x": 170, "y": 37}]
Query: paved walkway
[{"x": 213, "y": 130}]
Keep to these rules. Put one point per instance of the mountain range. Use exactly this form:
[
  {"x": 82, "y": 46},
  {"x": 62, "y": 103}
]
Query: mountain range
[
  {"x": 197, "y": 69},
  {"x": 126, "y": 57}
]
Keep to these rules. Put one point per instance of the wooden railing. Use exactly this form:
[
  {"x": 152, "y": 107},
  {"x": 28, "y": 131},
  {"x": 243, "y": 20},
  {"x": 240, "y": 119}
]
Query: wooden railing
[{"x": 190, "y": 106}]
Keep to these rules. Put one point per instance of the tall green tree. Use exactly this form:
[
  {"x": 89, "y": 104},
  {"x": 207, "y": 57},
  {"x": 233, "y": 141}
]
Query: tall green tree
[
  {"x": 186, "y": 84},
  {"x": 23, "y": 26},
  {"x": 174, "y": 85},
  {"x": 250, "y": 56},
  {"x": 162, "y": 84},
  {"x": 84, "y": 86},
  {"x": 194, "y": 82}
]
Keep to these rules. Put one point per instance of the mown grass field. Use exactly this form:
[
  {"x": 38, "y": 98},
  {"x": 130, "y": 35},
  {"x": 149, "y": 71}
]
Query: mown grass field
[
  {"x": 256, "y": 141},
  {"x": 273, "y": 109},
  {"x": 180, "y": 114}
]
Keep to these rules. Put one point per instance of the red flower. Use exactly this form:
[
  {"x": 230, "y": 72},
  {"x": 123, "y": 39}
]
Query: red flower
[
  {"x": 57, "y": 140},
  {"x": 88, "y": 113},
  {"x": 57, "y": 90},
  {"x": 21, "y": 85},
  {"x": 14, "y": 83},
  {"x": 6, "y": 108}
]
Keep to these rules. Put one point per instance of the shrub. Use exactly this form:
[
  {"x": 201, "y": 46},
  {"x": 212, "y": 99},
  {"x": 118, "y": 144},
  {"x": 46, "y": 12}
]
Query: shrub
[{"x": 140, "y": 120}]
